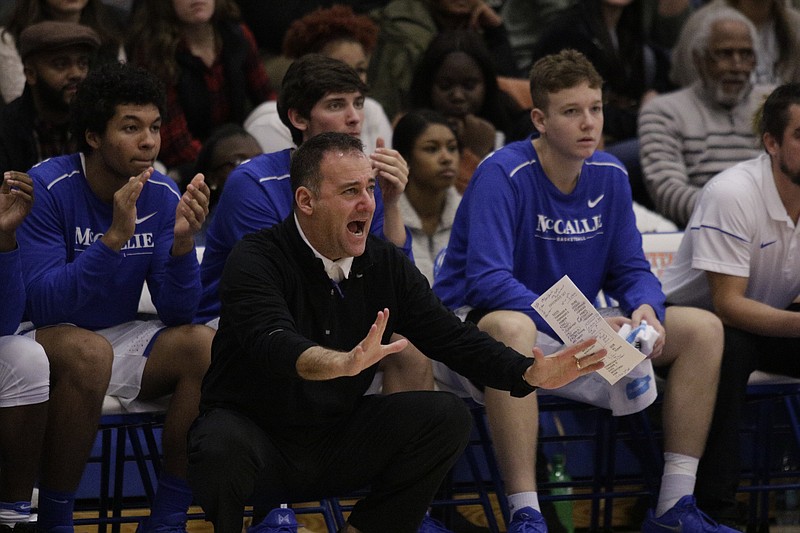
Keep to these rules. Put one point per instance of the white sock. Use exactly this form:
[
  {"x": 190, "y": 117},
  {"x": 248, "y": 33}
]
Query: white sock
[
  {"x": 522, "y": 499},
  {"x": 680, "y": 474}
]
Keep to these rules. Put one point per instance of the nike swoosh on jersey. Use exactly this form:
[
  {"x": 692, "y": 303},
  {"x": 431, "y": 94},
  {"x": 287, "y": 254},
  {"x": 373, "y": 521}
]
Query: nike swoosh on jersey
[
  {"x": 142, "y": 219},
  {"x": 592, "y": 203},
  {"x": 765, "y": 244}
]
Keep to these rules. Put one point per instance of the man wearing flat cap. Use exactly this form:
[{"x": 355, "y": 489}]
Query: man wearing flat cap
[{"x": 56, "y": 57}]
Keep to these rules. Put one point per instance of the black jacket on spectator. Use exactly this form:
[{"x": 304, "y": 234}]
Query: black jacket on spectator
[
  {"x": 17, "y": 141},
  {"x": 634, "y": 67}
]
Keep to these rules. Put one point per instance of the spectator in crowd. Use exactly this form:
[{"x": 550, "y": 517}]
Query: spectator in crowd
[
  {"x": 610, "y": 33},
  {"x": 103, "y": 223},
  {"x": 528, "y": 20},
  {"x": 227, "y": 147},
  {"x": 427, "y": 141},
  {"x": 456, "y": 77},
  {"x": 24, "y": 374},
  {"x": 690, "y": 135},
  {"x": 338, "y": 33},
  {"x": 209, "y": 63},
  {"x": 103, "y": 19},
  {"x": 537, "y": 210},
  {"x": 284, "y": 415},
  {"x": 35, "y": 126},
  {"x": 270, "y": 19},
  {"x": 738, "y": 260},
  {"x": 406, "y": 29},
  {"x": 777, "y": 46}
]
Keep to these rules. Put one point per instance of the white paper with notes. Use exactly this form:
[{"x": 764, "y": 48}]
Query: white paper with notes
[{"x": 574, "y": 319}]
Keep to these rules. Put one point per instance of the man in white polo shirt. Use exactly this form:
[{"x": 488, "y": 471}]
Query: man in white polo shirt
[{"x": 739, "y": 257}]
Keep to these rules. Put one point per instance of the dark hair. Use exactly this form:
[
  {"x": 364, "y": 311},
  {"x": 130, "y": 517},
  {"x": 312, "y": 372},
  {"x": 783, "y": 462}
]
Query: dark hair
[
  {"x": 307, "y": 159},
  {"x": 156, "y": 33},
  {"x": 107, "y": 87},
  {"x": 411, "y": 126},
  {"x": 556, "y": 72},
  {"x": 497, "y": 106},
  {"x": 312, "y": 32},
  {"x": 308, "y": 80},
  {"x": 773, "y": 117}
]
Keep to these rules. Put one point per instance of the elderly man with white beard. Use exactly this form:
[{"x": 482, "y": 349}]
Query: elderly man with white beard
[{"x": 690, "y": 135}]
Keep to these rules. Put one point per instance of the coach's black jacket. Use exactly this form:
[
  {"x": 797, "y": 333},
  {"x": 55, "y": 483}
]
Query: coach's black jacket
[{"x": 277, "y": 301}]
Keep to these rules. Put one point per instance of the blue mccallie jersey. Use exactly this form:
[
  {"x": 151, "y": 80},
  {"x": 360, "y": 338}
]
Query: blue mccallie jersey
[{"x": 71, "y": 276}]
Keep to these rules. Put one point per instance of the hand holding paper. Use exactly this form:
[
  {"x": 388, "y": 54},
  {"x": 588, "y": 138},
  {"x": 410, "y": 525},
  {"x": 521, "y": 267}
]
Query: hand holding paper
[{"x": 574, "y": 319}]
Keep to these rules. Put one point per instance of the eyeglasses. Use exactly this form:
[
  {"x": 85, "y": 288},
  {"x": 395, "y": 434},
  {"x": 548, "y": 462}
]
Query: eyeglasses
[{"x": 730, "y": 55}]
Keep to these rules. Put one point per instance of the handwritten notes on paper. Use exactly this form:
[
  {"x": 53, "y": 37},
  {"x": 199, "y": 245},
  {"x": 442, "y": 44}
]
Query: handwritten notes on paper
[{"x": 574, "y": 318}]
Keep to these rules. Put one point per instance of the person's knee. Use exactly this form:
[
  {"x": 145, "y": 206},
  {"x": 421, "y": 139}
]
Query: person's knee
[
  {"x": 513, "y": 328},
  {"x": 695, "y": 333},
  {"x": 407, "y": 370},
  {"x": 409, "y": 359},
  {"x": 710, "y": 327},
  {"x": 81, "y": 356},
  {"x": 706, "y": 330},
  {"x": 193, "y": 342}
]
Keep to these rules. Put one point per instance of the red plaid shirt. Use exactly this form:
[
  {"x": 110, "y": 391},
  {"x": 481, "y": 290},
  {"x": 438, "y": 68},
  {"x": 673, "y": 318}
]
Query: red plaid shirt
[{"x": 178, "y": 146}]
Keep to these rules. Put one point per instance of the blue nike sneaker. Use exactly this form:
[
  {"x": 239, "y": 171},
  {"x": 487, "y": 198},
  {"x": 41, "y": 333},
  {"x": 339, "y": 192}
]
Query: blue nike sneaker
[
  {"x": 281, "y": 520},
  {"x": 527, "y": 520},
  {"x": 431, "y": 525},
  {"x": 684, "y": 517}
]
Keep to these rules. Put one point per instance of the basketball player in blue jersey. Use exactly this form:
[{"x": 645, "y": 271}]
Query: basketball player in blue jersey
[
  {"x": 24, "y": 373},
  {"x": 542, "y": 208},
  {"x": 104, "y": 223}
]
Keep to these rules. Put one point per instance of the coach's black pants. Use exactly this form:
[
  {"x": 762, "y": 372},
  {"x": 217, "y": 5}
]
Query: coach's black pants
[{"x": 400, "y": 446}]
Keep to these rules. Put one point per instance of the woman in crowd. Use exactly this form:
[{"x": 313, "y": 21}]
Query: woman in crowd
[
  {"x": 428, "y": 143},
  {"x": 338, "y": 33},
  {"x": 92, "y": 13},
  {"x": 210, "y": 64},
  {"x": 456, "y": 77},
  {"x": 407, "y": 27}
]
